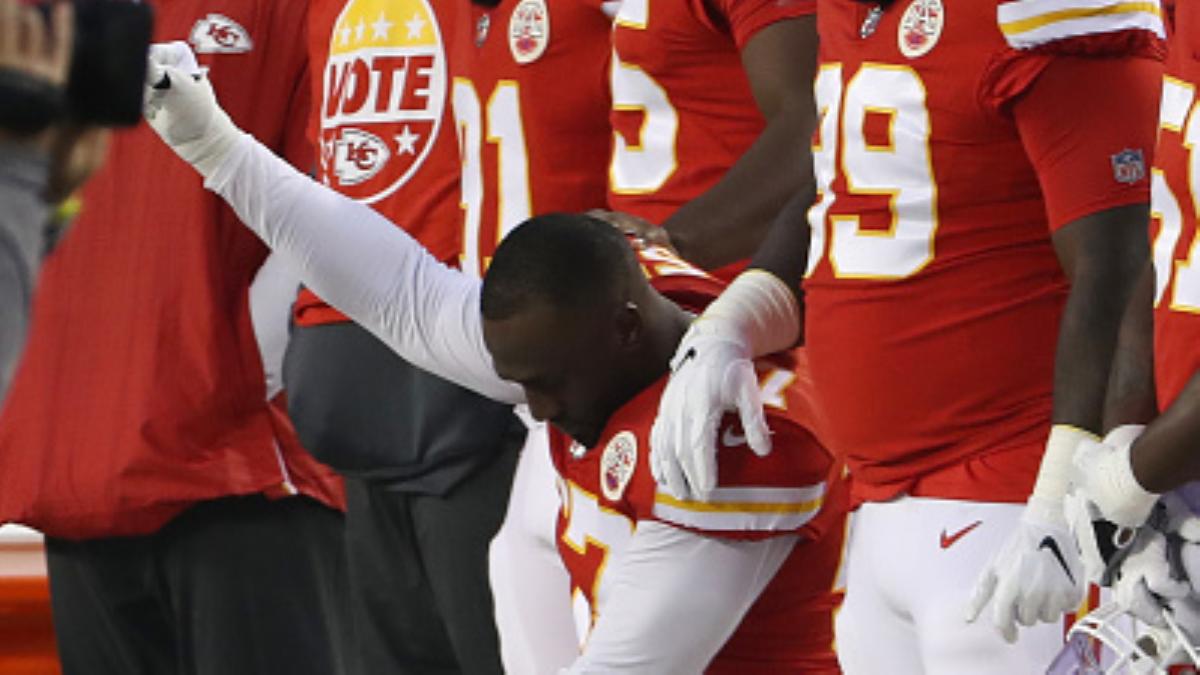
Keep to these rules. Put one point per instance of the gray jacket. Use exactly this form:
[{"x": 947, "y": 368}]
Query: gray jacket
[{"x": 23, "y": 220}]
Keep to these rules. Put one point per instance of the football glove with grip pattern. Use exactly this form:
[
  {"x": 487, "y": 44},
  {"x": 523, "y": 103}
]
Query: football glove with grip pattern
[
  {"x": 1102, "y": 472},
  {"x": 713, "y": 372},
  {"x": 1037, "y": 575}
]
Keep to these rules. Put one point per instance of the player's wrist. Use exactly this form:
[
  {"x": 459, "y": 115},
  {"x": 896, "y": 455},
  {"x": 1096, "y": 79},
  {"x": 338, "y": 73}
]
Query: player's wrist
[
  {"x": 757, "y": 310},
  {"x": 1121, "y": 498},
  {"x": 209, "y": 152},
  {"x": 1054, "y": 473},
  {"x": 1125, "y": 435}
]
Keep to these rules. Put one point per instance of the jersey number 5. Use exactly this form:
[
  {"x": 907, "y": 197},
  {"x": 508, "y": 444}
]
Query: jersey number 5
[{"x": 644, "y": 165}]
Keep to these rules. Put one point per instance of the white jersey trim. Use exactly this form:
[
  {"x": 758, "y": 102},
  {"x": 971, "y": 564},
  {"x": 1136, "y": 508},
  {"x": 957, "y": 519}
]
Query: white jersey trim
[
  {"x": 754, "y": 509},
  {"x": 1030, "y": 23}
]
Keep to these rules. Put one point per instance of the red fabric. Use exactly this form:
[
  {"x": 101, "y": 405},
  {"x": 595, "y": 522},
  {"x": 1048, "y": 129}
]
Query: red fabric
[
  {"x": 1177, "y": 326},
  {"x": 142, "y": 390},
  {"x": 358, "y": 130},
  {"x": 937, "y": 380},
  {"x": 561, "y": 112},
  {"x": 789, "y": 628},
  {"x": 1073, "y": 154},
  {"x": 691, "y": 50},
  {"x": 744, "y": 18}
]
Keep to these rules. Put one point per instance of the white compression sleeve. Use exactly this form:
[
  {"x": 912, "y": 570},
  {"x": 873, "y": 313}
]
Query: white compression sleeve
[
  {"x": 673, "y": 599},
  {"x": 271, "y": 296},
  {"x": 365, "y": 266}
]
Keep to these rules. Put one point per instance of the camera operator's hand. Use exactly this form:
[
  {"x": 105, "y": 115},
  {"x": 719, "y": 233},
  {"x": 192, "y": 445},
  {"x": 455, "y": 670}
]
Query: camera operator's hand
[
  {"x": 27, "y": 44},
  {"x": 181, "y": 107},
  {"x": 35, "y": 59}
]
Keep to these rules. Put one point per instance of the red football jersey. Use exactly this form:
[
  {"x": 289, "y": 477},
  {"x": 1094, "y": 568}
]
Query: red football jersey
[
  {"x": 934, "y": 293},
  {"x": 1174, "y": 197},
  {"x": 530, "y": 95},
  {"x": 683, "y": 112},
  {"x": 605, "y": 490},
  {"x": 142, "y": 390},
  {"x": 380, "y": 118}
]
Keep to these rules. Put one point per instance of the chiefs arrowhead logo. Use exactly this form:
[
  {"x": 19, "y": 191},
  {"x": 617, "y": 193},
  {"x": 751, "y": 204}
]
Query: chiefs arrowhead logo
[
  {"x": 529, "y": 31},
  {"x": 218, "y": 34},
  {"x": 617, "y": 465},
  {"x": 384, "y": 93},
  {"x": 358, "y": 156}
]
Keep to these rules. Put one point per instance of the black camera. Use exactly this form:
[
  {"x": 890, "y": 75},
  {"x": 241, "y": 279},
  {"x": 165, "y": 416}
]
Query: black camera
[{"x": 108, "y": 66}]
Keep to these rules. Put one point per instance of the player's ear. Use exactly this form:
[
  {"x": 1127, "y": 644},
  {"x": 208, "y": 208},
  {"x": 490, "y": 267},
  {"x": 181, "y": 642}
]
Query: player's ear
[{"x": 629, "y": 325}]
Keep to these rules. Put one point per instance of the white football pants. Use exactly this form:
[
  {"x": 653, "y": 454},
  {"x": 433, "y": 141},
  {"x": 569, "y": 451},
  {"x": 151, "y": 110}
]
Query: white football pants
[{"x": 911, "y": 566}]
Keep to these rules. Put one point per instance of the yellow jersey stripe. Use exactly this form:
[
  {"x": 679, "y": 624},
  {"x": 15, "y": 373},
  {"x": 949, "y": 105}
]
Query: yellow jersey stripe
[
  {"x": 1019, "y": 26},
  {"x": 738, "y": 507}
]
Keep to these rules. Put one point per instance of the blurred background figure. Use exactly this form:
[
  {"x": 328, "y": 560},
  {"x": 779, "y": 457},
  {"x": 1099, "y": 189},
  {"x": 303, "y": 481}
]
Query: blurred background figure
[
  {"x": 41, "y": 160},
  {"x": 187, "y": 531}
]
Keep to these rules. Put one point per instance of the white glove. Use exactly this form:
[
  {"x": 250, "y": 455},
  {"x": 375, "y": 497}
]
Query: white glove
[
  {"x": 1037, "y": 574},
  {"x": 1102, "y": 473},
  {"x": 182, "y": 109},
  {"x": 1181, "y": 519},
  {"x": 176, "y": 54},
  {"x": 1081, "y": 515},
  {"x": 1144, "y": 580},
  {"x": 1185, "y": 523},
  {"x": 1186, "y": 613},
  {"x": 712, "y": 373}
]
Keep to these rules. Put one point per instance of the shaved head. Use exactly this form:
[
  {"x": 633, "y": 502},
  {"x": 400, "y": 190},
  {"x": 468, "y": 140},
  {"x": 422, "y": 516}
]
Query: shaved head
[
  {"x": 569, "y": 315},
  {"x": 566, "y": 260}
]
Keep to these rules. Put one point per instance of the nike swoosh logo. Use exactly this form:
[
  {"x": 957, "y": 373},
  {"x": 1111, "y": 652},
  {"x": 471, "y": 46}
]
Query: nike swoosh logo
[
  {"x": 731, "y": 438},
  {"x": 949, "y": 540},
  {"x": 1048, "y": 542},
  {"x": 687, "y": 356}
]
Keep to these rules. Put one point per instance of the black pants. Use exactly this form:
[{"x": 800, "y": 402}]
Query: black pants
[
  {"x": 428, "y": 468},
  {"x": 420, "y": 600},
  {"x": 235, "y": 586}
]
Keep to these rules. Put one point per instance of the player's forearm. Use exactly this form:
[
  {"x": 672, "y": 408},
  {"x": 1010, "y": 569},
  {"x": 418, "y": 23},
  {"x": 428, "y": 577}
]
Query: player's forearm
[
  {"x": 784, "y": 252},
  {"x": 363, "y": 265},
  {"x": 1104, "y": 256},
  {"x": 730, "y": 221},
  {"x": 653, "y": 585},
  {"x": 1131, "y": 396},
  {"x": 1167, "y": 454},
  {"x": 1086, "y": 344}
]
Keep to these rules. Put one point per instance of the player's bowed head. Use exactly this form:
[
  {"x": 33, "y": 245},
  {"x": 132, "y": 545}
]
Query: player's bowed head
[{"x": 569, "y": 315}]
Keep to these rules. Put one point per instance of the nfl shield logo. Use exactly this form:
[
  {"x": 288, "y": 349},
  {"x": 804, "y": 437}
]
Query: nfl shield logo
[{"x": 1128, "y": 166}]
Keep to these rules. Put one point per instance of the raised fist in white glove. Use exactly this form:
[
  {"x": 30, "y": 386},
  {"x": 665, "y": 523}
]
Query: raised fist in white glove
[
  {"x": 182, "y": 109},
  {"x": 711, "y": 372},
  {"x": 1036, "y": 576},
  {"x": 1101, "y": 472}
]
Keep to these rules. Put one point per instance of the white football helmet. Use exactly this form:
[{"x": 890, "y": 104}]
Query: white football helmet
[{"x": 1109, "y": 641}]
